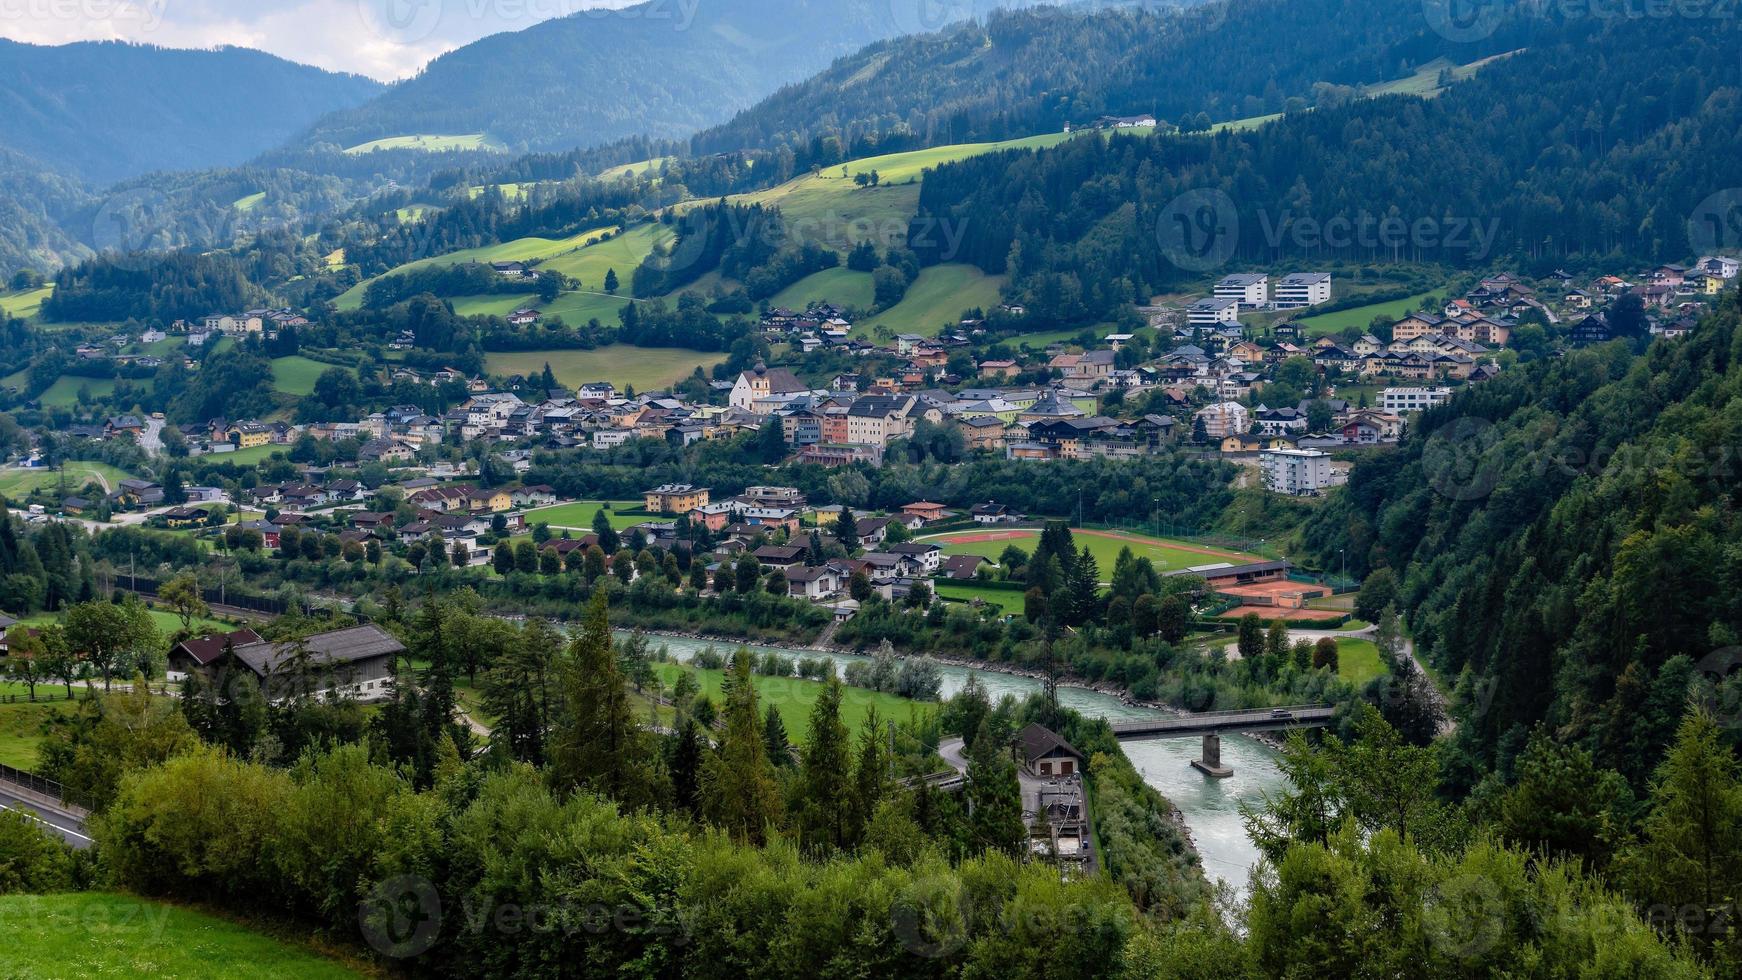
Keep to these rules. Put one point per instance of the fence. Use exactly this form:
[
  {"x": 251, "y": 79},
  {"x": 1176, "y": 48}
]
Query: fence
[
  {"x": 46, "y": 788},
  {"x": 269, "y": 605},
  {"x": 42, "y": 697}
]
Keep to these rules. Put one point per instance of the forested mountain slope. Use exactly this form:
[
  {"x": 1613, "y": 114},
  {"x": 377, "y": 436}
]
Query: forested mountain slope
[
  {"x": 1016, "y": 73},
  {"x": 1569, "y": 535},
  {"x": 654, "y": 69},
  {"x": 109, "y": 110},
  {"x": 1592, "y": 149}
]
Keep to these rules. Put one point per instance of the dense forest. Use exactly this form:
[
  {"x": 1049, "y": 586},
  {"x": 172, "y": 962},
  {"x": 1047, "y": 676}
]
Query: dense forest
[
  {"x": 108, "y": 110},
  {"x": 1638, "y": 121},
  {"x": 1566, "y": 542},
  {"x": 1017, "y": 73}
]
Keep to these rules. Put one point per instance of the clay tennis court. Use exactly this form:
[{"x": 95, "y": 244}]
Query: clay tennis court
[
  {"x": 1281, "y": 590},
  {"x": 1267, "y": 613}
]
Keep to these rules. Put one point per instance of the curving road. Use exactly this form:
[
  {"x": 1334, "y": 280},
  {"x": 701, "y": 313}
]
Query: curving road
[{"x": 63, "y": 825}]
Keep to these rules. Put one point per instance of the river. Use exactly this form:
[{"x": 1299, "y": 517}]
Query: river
[{"x": 1211, "y": 806}]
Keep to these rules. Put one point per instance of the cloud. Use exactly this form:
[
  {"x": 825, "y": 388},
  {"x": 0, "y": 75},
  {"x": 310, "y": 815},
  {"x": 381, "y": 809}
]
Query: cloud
[{"x": 385, "y": 39}]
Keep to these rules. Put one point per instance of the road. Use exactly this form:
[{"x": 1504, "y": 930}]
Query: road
[
  {"x": 64, "y": 826},
  {"x": 1442, "y": 709},
  {"x": 151, "y": 440}
]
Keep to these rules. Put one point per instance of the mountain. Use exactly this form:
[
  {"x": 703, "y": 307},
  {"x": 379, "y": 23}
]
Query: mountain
[
  {"x": 108, "y": 110},
  {"x": 1017, "y": 73},
  {"x": 657, "y": 69},
  {"x": 1590, "y": 149}
]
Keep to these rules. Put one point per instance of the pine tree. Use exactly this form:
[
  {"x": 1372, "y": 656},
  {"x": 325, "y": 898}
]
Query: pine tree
[
  {"x": 686, "y": 767},
  {"x": 739, "y": 791},
  {"x": 598, "y": 746},
  {"x": 994, "y": 797},
  {"x": 847, "y": 530},
  {"x": 825, "y": 792},
  {"x": 774, "y": 737},
  {"x": 871, "y": 776}
]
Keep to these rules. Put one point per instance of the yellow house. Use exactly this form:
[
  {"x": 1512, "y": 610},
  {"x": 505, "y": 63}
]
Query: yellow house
[
  {"x": 494, "y": 501},
  {"x": 675, "y": 498},
  {"x": 1707, "y": 283},
  {"x": 247, "y": 435}
]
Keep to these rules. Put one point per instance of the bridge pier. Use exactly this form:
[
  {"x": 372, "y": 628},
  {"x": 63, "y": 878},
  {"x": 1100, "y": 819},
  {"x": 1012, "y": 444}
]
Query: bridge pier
[{"x": 1211, "y": 764}]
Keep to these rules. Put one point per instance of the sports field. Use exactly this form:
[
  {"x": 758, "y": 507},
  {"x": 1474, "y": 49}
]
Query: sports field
[
  {"x": 578, "y": 516},
  {"x": 1165, "y": 554}
]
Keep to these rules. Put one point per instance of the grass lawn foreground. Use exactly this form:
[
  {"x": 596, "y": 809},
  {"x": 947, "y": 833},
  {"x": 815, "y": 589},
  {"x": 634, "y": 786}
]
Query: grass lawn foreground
[{"x": 95, "y": 934}]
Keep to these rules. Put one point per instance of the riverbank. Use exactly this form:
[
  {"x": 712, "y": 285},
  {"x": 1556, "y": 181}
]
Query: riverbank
[{"x": 1105, "y": 688}]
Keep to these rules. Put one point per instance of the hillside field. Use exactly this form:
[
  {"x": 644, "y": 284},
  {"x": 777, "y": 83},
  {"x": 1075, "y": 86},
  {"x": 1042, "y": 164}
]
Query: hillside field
[
  {"x": 519, "y": 250},
  {"x": 621, "y": 364},
  {"x": 297, "y": 375},
  {"x": 622, "y": 252},
  {"x": 841, "y": 286},
  {"x": 16, "y": 483},
  {"x": 90, "y": 934},
  {"x": 1360, "y": 316},
  {"x": 936, "y": 300},
  {"x": 428, "y": 143},
  {"x": 25, "y": 304}
]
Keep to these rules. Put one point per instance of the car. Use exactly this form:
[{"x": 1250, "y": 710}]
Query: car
[{"x": 1281, "y": 713}]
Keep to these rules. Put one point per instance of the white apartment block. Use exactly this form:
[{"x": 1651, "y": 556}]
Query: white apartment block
[
  {"x": 1397, "y": 401},
  {"x": 1250, "y": 290},
  {"x": 1299, "y": 289},
  {"x": 1213, "y": 312},
  {"x": 1297, "y": 471}
]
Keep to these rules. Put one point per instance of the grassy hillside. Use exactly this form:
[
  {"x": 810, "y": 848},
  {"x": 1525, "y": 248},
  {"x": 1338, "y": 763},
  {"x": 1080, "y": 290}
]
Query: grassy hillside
[
  {"x": 623, "y": 252},
  {"x": 633, "y": 169},
  {"x": 896, "y": 168},
  {"x": 936, "y": 299},
  {"x": 428, "y": 143},
  {"x": 296, "y": 375},
  {"x": 24, "y": 303},
  {"x": 16, "y": 483},
  {"x": 840, "y": 286},
  {"x": 519, "y": 250},
  {"x": 93, "y": 935},
  {"x": 621, "y": 364},
  {"x": 1360, "y": 316}
]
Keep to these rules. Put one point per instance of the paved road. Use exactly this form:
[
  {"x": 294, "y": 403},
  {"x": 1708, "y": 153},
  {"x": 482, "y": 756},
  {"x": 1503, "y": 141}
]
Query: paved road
[
  {"x": 151, "y": 440},
  {"x": 68, "y": 828}
]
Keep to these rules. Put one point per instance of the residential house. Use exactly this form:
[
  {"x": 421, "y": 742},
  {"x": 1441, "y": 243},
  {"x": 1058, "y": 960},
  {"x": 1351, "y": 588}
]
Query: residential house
[
  {"x": 1302, "y": 289},
  {"x": 675, "y": 498},
  {"x": 1250, "y": 291}
]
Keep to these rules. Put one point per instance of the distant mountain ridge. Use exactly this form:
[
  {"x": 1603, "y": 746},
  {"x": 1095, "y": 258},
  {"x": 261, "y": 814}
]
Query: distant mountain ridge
[
  {"x": 648, "y": 70},
  {"x": 105, "y": 111}
]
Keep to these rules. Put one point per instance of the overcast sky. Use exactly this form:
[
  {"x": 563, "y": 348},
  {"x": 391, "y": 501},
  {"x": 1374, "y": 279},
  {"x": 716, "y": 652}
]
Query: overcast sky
[{"x": 385, "y": 39}]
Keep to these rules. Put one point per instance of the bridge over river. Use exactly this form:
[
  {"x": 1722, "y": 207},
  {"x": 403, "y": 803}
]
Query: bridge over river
[{"x": 1212, "y": 725}]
